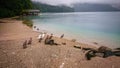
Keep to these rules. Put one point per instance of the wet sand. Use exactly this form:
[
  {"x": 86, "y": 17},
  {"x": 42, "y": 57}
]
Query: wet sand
[{"x": 38, "y": 55}]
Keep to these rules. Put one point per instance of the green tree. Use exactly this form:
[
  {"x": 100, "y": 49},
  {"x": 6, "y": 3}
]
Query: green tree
[{"x": 10, "y": 8}]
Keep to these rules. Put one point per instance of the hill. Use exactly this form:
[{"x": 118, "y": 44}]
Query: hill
[
  {"x": 88, "y": 7},
  {"x": 77, "y": 7},
  {"x": 51, "y": 8}
]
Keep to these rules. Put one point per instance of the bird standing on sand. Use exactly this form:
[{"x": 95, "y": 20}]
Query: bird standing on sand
[
  {"x": 51, "y": 36},
  {"x": 25, "y": 44},
  {"x": 30, "y": 41},
  {"x": 40, "y": 37},
  {"x": 62, "y": 36}
]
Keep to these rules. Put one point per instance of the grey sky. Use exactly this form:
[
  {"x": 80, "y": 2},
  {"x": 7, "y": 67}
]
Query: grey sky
[{"x": 68, "y": 2}]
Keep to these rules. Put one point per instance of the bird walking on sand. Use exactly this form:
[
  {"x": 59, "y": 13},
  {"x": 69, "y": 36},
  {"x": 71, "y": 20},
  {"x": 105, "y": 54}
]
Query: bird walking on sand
[
  {"x": 25, "y": 44},
  {"x": 30, "y": 41},
  {"x": 62, "y": 36}
]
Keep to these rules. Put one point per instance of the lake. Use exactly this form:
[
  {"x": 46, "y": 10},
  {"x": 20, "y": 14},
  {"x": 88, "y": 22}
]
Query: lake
[{"x": 85, "y": 27}]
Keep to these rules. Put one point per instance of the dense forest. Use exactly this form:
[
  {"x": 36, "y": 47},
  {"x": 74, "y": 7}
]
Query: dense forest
[
  {"x": 10, "y": 8},
  {"x": 51, "y": 8}
]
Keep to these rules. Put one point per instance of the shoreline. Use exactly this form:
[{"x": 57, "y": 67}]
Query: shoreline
[
  {"x": 101, "y": 40},
  {"x": 90, "y": 44},
  {"x": 38, "y": 55},
  {"x": 70, "y": 39},
  {"x": 97, "y": 31}
]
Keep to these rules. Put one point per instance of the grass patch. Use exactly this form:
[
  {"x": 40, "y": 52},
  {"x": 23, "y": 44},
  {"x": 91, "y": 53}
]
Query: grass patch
[{"x": 28, "y": 23}]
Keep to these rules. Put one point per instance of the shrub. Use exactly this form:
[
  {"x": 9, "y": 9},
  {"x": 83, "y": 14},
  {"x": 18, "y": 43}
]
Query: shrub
[{"x": 28, "y": 23}]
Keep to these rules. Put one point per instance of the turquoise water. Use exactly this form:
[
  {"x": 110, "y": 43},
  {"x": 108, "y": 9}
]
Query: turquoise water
[{"x": 101, "y": 27}]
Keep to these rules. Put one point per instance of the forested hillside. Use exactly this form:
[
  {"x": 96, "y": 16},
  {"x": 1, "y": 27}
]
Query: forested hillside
[
  {"x": 51, "y": 8},
  {"x": 10, "y": 8},
  {"x": 93, "y": 7},
  {"x": 76, "y": 7}
]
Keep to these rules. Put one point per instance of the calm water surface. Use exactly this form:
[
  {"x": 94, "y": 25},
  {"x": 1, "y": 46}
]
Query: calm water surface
[{"x": 101, "y": 27}]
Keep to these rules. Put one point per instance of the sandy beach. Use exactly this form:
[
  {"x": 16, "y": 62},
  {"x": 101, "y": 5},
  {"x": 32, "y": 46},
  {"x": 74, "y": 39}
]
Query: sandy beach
[{"x": 38, "y": 55}]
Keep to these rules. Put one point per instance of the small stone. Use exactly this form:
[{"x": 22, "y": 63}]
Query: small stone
[
  {"x": 73, "y": 40},
  {"x": 113, "y": 66},
  {"x": 13, "y": 53},
  {"x": 4, "y": 51},
  {"x": 75, "y": 63},
  {"x": 95, "y": 43},
  {"x": 54, "y": 55}
]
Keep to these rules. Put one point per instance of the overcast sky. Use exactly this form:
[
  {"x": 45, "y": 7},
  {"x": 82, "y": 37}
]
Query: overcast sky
[{"x": 68, "y": 2}]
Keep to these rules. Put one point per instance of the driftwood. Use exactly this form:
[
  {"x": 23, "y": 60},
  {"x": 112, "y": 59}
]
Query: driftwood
[
  {"x": 103, "y": 49},
  {"x": 116, "y": 53},
  {"x": 63, "y": 43},
  {"x": 50, "y": 42},
  {"x": 101, "y": 52},
  {"x": 117, "y": 48},
  {"x": 86, "y": 49},
  {"x": 73, "y": 40},
  {"x": 90, "y": 54},
  {"x": 77, "y": 46}
]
